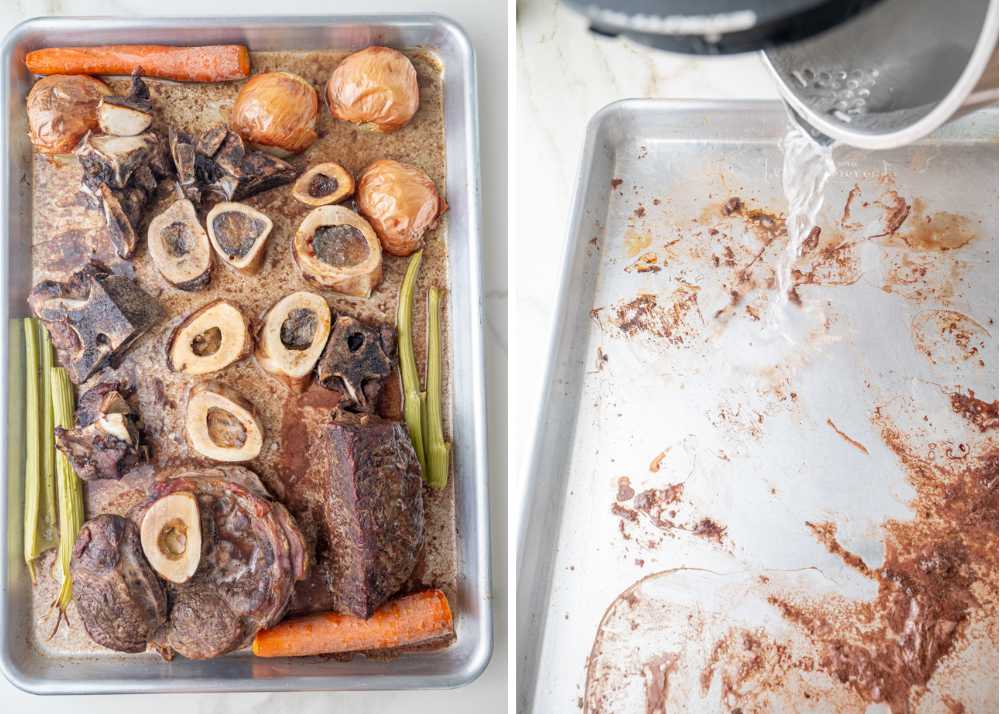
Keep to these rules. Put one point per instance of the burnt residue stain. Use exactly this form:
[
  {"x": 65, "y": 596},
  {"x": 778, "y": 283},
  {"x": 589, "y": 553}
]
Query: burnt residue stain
[
  {"x": 949, "y": 337},
  {"x": 826, "y": 533},
  {"x": 656, "y": 675},
  {"x": 845, "y": 216},
  {"x": 748, "y": 664},
  {"x": 670, "y": 320},
  {"x": 939, "y": 575},
  {"x": 663, "y": 508},
  {"x": 616, "y": 183},
  {"x": 601, "y": 359},
  {"x": 895, "y": 210},
  {"x": 939, "y": 231},
  {"x": 654, "y": 465},
  {"x": 853, "y": 442},
  {"x": 981, "y": 414}
]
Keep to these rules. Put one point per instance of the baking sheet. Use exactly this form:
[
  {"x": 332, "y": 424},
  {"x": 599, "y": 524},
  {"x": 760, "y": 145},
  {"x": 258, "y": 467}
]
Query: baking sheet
[
  {"x": 436, "y": 47},
  {"x": 739, "y": 500}
]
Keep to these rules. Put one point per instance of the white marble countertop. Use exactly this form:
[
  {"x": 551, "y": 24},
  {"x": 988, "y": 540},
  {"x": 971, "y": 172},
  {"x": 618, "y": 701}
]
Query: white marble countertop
[
  {"x": 564, "y": 76},
  {"x": 484, "y": 21}
]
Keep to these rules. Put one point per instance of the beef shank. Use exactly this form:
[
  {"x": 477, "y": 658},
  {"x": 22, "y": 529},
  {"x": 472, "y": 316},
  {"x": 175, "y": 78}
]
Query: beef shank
[
  {"x": 105, "y": 440},
  {"x": 120, "y": 600}
]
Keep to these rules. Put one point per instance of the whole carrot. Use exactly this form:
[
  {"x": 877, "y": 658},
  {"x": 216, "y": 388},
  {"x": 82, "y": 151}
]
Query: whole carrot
[
  {"x": 410, "y": 620},
  {"x": 211, "y": 63}
]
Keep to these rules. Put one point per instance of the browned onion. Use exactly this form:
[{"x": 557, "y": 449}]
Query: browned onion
[
  {"x": 401, "y": 203},
  {"x": 276, "y": 111},
  {"x": 61, "y": 109},
  {"x": 376, "y": 87}
]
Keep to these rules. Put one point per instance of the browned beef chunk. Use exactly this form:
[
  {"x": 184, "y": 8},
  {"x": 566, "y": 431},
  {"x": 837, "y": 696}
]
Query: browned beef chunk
[
  {"x": 118, "y": 596},
  {"x": 373, "y": 519},
  {"x": 93, "y": 317},
  {"x": 252, "y": 554},
  {"x": 105, "y": 443},
  {"x": 357, "y": 361}
]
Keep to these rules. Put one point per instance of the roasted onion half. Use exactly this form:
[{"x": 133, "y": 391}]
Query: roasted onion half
[
  {"x": 401, "y": 203},
  {"x": 293, "y": 335},
  {"x": 323, "y": 184},
  {"x": 276, "y": 112},
  {"x": 376, "y": 88},
  {"x": 62, "y": 108},
  {"x": 336, "y": 248},
  {"x": 212, "y": 337},
  {"x": 239, "y": 235},
  {"x": 222, "y": 425}
]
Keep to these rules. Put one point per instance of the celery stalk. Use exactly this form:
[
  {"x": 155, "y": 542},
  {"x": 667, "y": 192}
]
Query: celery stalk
[
  {"x": 68, "y": 489},
  {"x": 438, "y": 451},
  {"x": 50, "y": 519},
  {"x": 33, "y": 448},
  {"x": 408, "y": 363}
]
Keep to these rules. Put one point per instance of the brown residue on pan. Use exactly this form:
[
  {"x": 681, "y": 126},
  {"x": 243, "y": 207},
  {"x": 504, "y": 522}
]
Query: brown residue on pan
[
  {"x": 601, "y": 359},
  {"x": 659, "y": 504},
  {"x": 811, "y": 241},
  {"x": 853, "y": 442},
  {"x": 826, "y": 533},
  {"x": 645, "y": 315},
  {"x": 615, "y": 183},
  {"x": 827, "y": 260},
  {"x": 654, "y": 465},
  {"x": 625, "y": 490},
  {"x": 896, "y": 209},
  {"x": 636, "y": 241},
  {"x": 640, "y": 211},
  {"x": 709, "y": 530},
  {"x": 656, "y": 674},
  {"x": 939, "y": 576},
  {"x": 845, "y": 217},
  {"x": 983, "y": 415},
  {"x": 645, "y": 263},
  {"x": 939, "y": 231},
  {"x": 949, "y": 337}
]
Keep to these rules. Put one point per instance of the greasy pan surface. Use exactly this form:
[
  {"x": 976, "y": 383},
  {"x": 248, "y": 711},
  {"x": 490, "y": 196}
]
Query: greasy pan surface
[
  {"x": 70, "y": 661},
  {"x": 743, "y": 502}
]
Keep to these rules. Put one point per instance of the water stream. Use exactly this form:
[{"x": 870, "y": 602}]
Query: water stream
[{"x": 806, "y": 168}]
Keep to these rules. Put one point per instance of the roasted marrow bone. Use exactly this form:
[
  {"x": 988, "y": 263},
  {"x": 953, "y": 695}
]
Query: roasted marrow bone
[
  {"x": 128, "y": 115},
  {"x": 356, "y": 362},
  {"x": 222, "y": 425},
  {"x": 120, "y": 600},
  {"x": 253, "y": 553},
  {"x": 373, "y": 515},
  {"x": 239, "y": 235},
  {"x": 292, "y": 337},
  {"x": 212, "y": 337},
  {"x": 323, "y": 184},
  {"x": 180, "y": 248},
  {"x": 93, "y": 317},
  {"x": 105, "y": 442},
  {"x": 171, "y": 536},
  {"x": 335, "y": 248}
]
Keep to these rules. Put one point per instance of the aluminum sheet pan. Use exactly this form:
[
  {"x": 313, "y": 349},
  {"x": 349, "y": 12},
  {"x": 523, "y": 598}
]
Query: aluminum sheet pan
[
  {"x": 742, "y": 501},
  {"x": 29, "y": 667}
]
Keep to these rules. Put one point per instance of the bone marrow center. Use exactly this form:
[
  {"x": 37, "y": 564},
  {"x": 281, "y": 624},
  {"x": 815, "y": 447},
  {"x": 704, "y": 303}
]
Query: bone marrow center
[
  {"x": 298, "y": 329},
  {"x": 224, "y": 429},
  {"x": 340, "y": 246}
]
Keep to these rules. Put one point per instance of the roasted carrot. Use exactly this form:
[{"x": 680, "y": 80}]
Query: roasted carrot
[
  {"x": 212, "y": 63},
  {"x": 409, "y": 620}
]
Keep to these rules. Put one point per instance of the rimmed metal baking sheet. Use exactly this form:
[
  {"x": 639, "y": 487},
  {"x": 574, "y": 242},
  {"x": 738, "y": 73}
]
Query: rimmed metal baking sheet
[
  {"x": 32, "y": 670},
  {"x": 731, "y": 493}
]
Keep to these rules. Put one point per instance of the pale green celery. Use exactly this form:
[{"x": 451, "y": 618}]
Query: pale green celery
[
  {"x": 438, "y": 451},
  {"x": 408, "y": 363}
]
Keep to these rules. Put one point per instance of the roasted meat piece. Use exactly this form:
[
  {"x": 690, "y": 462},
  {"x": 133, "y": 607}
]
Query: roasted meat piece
[
  {"x": 119, "y": 598},
  {"x": 372, "y": 516},
  {"x": 252, "y": 554},
  {"x": 93, "y": 317},
  {"x": 217, "y": 166},
  {"x": 356, "y": 362},
  {"x": 105, "y": 442}
]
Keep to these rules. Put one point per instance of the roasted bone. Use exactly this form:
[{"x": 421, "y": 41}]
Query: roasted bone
[
  {"x": 357, "y": 361},
  {"x": 93, "y": 317},
  {"x": 128, "y": 115},
  {"x": 105, "y": 443}
]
